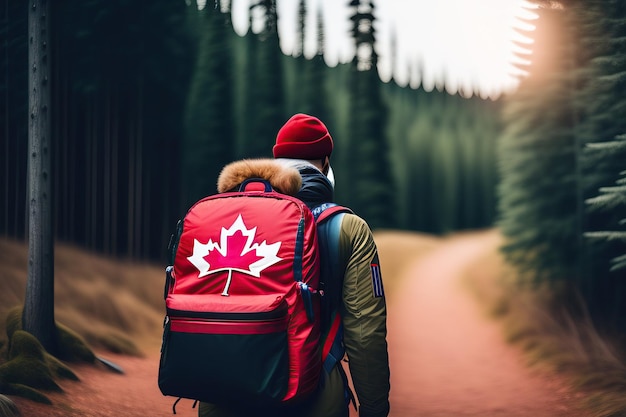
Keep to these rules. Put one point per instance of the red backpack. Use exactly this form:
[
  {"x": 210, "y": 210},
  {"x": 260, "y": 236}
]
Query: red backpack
[{"x": 242, "y": 313}]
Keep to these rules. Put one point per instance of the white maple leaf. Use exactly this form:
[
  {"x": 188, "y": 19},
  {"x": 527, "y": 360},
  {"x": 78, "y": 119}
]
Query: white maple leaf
[{"x": 236, "y": 251}]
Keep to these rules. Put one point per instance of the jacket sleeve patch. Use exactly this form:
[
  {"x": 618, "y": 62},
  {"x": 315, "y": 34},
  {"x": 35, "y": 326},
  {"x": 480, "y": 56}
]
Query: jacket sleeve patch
[{"x": 377, "y": 281}]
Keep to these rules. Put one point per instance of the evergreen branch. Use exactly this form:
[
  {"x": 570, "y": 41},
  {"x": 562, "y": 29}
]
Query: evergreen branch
[
  {"x": 612, "y": 146},
  {"x": 606, "y": 201},
  {"x": 618, "y": 77},
  {"x": 617, "y": 189},
  {"x": 618, "y": 263},
  {"x": 606, "y": 235}
]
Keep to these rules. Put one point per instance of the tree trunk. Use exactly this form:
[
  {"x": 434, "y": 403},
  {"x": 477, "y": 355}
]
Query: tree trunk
[{"x": 38, "y": 315}]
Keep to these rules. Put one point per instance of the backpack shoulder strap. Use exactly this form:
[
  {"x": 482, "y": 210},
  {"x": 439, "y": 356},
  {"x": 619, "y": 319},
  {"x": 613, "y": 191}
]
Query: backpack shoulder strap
[
  {"x": 328, "y": 218},
  {"x": 325, "y": 211}
]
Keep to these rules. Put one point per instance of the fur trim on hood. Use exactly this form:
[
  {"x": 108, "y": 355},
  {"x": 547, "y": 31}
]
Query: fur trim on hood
[{"x": 283, "y": 179}]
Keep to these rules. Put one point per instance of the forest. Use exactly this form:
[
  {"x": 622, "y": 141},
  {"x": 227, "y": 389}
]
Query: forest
[
  {"x": 150, "y": 103},
  {"x": 149, "y": 100}
]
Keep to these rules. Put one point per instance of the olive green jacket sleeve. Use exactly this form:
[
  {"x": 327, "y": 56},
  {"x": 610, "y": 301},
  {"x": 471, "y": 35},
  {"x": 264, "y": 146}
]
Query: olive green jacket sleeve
[{"x": 364, "y": 319}]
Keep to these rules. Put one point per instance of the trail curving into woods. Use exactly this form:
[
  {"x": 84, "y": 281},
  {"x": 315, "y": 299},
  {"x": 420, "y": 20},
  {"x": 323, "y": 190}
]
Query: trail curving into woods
[{"x": 447, "y": 358}]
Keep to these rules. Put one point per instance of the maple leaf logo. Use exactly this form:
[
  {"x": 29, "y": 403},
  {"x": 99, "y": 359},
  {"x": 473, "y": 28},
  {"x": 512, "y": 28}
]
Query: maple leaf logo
[{"x": 236, "y": 251}]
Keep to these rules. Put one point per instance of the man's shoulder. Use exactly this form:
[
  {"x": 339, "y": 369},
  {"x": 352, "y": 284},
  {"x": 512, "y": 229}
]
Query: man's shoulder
[{"x": 352, "y": 223}]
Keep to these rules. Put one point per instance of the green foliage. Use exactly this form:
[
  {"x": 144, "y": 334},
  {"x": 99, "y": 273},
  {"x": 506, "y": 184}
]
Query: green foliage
[
  {"x": 443, "y": 159},
  {"x": 135, "y": 142},
  {"x": 209, "y": 140},
  {"x": 416, "y": 127},
  {"x": 268, "y": 107},
  {"x": 314, "y": 97},
  {"x": 540, "y": 169},
  {"x": 611, "y": 200},
  {"x": 372, "y": 186},
  {"x": 551, "y": 161},
  {"x": 603, "y": 120},
  {"x": 606, "y": 107},
  {"x": 314, "y": 94}
]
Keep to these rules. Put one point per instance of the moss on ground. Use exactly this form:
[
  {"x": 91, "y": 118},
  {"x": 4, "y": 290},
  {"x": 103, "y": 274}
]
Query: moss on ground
[
  {"x": 72, "y": 347},
  {"x": 27, "y": 369}
]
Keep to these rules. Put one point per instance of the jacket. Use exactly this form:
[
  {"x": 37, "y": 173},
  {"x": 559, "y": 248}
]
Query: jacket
[{"x": 363, "y": 307}]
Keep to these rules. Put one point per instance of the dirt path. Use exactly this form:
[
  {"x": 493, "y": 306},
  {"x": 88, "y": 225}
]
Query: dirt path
[{"x": 447, "y": 359}]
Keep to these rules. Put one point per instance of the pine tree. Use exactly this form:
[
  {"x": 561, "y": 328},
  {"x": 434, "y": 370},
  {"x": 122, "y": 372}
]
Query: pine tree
[
  {"x": 539, "y": 206},
  {"x": 612, "y": 200},
  {"x": 313, "y": 82},
  {"x": 298, "y": 79},
  {"x": 209, "y": 132},
  {"x": 553, "y": 160},
  {"x": 300, "y": 34},
  {"x": 269, "y": 111},
  {"x": 604, "y": 108},
  {"x": 603, "y": 100},
  {"x": 370, "y": 180}
]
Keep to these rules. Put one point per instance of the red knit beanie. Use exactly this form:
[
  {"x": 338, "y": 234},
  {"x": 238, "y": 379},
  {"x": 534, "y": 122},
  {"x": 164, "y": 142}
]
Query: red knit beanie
[{"x": 303, "y": 137}]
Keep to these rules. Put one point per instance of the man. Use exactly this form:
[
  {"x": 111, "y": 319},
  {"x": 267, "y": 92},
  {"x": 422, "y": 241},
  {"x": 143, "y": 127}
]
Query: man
[{"x": 305, "y": 144}]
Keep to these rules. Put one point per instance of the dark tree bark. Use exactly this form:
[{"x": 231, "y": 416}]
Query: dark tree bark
[{"x": 38, "y": 315}]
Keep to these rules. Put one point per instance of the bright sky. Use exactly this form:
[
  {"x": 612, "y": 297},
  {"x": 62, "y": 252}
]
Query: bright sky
[{"x": 467, "y": 42}]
